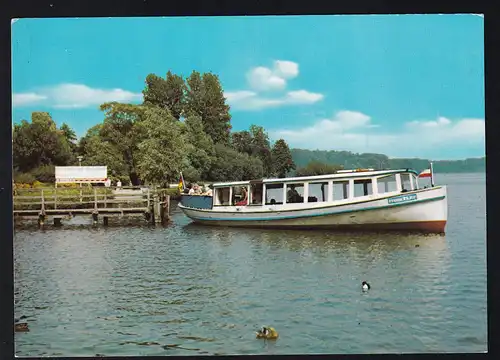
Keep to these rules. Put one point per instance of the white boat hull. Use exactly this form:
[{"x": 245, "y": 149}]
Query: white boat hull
[{"x": 422, "y": 210}]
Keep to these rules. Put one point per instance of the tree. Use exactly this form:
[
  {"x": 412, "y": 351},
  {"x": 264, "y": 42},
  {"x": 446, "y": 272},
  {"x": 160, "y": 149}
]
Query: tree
[
  {"x": 162, "y": 152},
  {"x": 241, "y": 141},
  {"x": 168, "y": 94},
  {"x": 205, "y": 98},
  {"x": 120, "y": 128},
  {"x": 70, "y": 136},
  {"x": 261, "y": 148},
  {"x": 99, "y": 152},
  {"x": 68, "y": 133},
  {"x": 39, "y": 143},
  {"x": 200, "y": 149},
  {"x": 282, "y": 159},
  {"x": 318, "y": 168},
  {"x": 230, "y": 165}
]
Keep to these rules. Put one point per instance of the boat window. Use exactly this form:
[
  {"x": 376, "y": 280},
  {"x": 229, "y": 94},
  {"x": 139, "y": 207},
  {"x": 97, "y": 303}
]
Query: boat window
[
  {"x": 363, "y": 187},
  {"x": 318, "y": 192},
  {"x": 415, "y": 181},
  {"x": 240, "y": 195},
  {"x": 387, "y": 184},
  {"x": 405, "y": 182},
  {"x": 222, "y": 196},
  {"x": 274, "y": 194},
  {"x": 256, "y": 194},
  {"x": 295, "y": 193},
  {"x": 340, "y": 190}
]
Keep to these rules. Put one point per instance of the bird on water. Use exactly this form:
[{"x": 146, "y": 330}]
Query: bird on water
[{"x": 365, "y": 286}]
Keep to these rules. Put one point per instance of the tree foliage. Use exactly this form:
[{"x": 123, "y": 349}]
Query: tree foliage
[
  {"x": 317, "y": 168},
  {"x": 39, "y": 143},
  {"x": 282, "y": 159},
  {"x": 162, "y": 151},
  {"x": 205, "y": 98},
  {"x": 168, "y": 93}
]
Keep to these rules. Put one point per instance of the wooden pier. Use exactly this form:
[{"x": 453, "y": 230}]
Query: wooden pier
[{"x": 57, "y": 204}]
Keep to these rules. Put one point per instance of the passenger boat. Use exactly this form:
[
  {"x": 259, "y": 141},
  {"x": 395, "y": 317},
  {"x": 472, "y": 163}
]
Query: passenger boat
[{"x": 348, "y": 199}]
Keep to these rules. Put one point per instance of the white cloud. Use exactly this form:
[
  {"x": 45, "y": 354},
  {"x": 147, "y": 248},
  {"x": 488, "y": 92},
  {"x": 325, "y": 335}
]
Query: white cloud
[
  {"x": 75, "y": 96},
  {"x": 352, "y": 131},
  {"x": 286, "y": 69},
  {"x": 24, "y": 99},
  {"x": 302, "y": 97},
  {"x": 250, "y": 100},
  {"x": 263, "y": 79}
]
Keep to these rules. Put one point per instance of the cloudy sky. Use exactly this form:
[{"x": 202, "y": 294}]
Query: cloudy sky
[{"x": 403, "y": 85}]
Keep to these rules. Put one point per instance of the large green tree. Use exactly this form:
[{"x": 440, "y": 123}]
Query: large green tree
[
  {"x": 39, "y": 143},
  {"x": 205, "y": 98},
  {"x": 200, "y": 150},
  {"x": 282, "y": 159},
  {"x": 100, "y": 152},
  {"x": 261, "y": 148},
  {"x": 120, "y": 128},
  {"x": 168, "y": 93},
  {"x": 230, "y": 165},
  {"x": 162, "y": 151}
]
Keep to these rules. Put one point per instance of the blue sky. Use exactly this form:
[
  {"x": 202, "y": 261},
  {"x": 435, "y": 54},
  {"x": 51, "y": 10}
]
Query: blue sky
[{"x": 403, "y": 85}]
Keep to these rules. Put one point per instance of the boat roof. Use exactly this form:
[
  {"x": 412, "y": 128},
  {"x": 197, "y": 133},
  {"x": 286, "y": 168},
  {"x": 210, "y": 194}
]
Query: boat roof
[{"x": 341, "y": 174}]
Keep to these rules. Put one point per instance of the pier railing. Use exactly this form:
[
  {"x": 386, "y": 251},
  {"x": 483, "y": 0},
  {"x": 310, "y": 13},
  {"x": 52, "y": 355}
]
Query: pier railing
[{"x": 153, "y": 203}]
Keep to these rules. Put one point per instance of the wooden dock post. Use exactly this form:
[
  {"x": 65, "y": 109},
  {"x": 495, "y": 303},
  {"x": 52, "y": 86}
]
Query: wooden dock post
[
  {"x": 165, "y": 208},
  {"x": 105, "y": 220},
  {"x": 156, "y": 218},
  {"x": 95, "y": 213},
  {"x": 57, "y": 221},
  {"x": 41, "y": 215}
]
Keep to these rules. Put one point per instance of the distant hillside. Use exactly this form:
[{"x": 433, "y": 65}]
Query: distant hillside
[{"x": 351, "y": 160}]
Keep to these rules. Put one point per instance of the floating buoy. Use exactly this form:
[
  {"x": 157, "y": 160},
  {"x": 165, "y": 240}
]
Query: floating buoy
[{"x": 268, "y": 333}]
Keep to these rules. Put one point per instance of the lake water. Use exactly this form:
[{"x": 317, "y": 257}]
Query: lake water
[{"x": 188, "y": 290}]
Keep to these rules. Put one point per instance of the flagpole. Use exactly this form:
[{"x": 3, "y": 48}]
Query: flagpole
[{"x": 432, "y": 175}]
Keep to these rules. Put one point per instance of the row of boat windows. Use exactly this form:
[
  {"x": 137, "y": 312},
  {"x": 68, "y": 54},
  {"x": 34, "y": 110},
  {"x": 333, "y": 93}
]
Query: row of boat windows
[{"x": 276, "y": 194}]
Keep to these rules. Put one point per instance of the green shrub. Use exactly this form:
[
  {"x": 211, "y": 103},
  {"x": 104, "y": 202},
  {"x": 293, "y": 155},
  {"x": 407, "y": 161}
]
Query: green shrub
[
  {"x": 24, "y": 178},
  {"x": 44, "y": 173}
]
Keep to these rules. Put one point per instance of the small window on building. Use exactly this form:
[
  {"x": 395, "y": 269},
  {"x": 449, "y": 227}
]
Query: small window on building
[
  {"x": 363, "y": 187},
  {"x": 405, "y": 182},
  {"x": 295, "y": 193},
  {"x": 274, "y": 194},
  {"x": 340, "y": 190},
  {"x": 387, "y": 184},
  {"x": 318, "y": 192}
]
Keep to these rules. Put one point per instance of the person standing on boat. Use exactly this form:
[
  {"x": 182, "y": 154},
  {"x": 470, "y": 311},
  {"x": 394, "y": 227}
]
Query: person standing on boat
[
  {"x": 292, "y": 195},
  {"x": 245, "y": 197}
]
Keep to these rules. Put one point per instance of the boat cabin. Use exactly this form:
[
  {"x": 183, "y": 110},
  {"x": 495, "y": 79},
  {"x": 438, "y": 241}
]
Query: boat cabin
[{"x": 343, "y": 186}]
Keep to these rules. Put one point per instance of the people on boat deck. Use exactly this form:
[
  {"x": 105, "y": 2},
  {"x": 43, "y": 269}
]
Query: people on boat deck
[
  {"x": 293, "y": 196},
  {"x": 208, "y": 191},
  {"x": 197, "y": 189},
  {"x": 244, "y": 194},
  {"x": 191, "y": 189}
]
